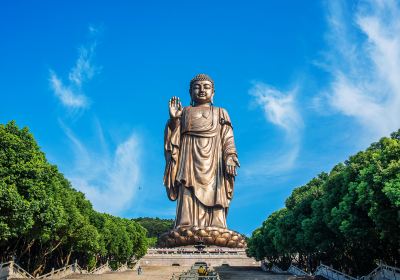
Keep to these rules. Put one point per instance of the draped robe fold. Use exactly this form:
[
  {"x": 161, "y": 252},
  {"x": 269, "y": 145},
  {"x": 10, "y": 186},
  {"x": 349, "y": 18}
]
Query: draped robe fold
[{"x": 196, "y": 147}]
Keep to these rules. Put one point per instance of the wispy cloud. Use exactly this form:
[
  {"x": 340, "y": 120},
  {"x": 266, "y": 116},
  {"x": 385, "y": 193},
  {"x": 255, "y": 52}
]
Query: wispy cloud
[
  {"x": 364, "y": 62},
  {"x": 68, "y": 95},
  {"x": 110, "y": 180},
  {"x": 71, "y": 93},
  {"x": 279, "y": 109},
  {"x": 108, "y": 177}
]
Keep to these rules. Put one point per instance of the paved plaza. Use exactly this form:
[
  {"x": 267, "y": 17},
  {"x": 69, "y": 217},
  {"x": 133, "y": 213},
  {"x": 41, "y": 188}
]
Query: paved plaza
[
  {"x": 152, "y": 272},
  {"x": 166, "y": 273}
]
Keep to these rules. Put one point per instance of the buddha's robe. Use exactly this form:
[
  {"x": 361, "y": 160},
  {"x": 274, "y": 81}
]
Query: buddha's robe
[{"x": 196, "y": 148}]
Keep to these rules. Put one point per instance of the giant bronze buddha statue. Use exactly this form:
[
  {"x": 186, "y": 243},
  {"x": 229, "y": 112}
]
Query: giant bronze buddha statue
[{"x": 201, "y": 165}]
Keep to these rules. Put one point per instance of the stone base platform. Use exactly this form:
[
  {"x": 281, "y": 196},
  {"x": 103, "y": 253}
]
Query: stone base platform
[{"x": 188, "y": 255}]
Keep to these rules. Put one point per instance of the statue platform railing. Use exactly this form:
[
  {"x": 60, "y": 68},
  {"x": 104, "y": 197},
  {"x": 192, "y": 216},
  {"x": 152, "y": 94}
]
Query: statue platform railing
[{"x": 194, "y": 251}]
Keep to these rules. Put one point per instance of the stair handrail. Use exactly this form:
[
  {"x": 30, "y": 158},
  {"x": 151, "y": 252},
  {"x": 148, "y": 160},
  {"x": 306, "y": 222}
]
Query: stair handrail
[
  {"x": 4, "y": 264},
  {"x": 332, "y": 273},
  {"x": 277, "y": 269},
  {"x": 53, "y": 272},
  {"x": 297, "y": 271},
  {"x": 264, "y": 266},
  {"x": 123, "y": 267},
  {"x": 382, "y": 267},
  {"x": 106, "y": 265},
  {"x": 72, "y": 267},
  {"x": 371, "y": 274},
  {"x": 16, "y": 268}
]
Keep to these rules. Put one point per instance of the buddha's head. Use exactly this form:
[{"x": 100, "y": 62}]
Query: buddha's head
[{"x": 201, "y": 89}]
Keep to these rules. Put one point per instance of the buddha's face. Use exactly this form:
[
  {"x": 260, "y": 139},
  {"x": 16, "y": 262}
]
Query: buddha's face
[{"x": 202, "y": 92}]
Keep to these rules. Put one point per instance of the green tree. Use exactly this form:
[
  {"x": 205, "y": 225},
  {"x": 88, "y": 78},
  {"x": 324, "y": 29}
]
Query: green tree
[
  {"x": 348, "y": 218},
  {"x": 155, "y": 226},
  {"x": 45, "y": 222}
]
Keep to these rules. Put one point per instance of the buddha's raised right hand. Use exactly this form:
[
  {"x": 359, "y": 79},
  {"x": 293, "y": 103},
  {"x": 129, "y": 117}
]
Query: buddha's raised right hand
[{"x": 175, "y": 108}]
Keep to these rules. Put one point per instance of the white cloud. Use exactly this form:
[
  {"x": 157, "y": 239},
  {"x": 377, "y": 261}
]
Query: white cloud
[
  {"x": 364, "y": 62},
  {"x": 109, "y": 181},
  {"x": 71, "y": 94},
  {"x": 66, "y": 94},
  {"x": 279, "y": 109},
  {"x": 83, "y": 69},
  {"x": 93, "y": 30}
]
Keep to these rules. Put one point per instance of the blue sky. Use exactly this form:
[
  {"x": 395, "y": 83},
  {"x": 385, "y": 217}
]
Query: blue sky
[{"x": 306, "y": 85}]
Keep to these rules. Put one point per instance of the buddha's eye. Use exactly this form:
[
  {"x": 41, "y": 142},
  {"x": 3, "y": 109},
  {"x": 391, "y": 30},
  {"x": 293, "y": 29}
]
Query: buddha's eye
[{"x": 207, "y": 86}]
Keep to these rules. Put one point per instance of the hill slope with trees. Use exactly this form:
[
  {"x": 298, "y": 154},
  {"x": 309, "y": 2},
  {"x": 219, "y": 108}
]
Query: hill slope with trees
[
  {"x": 45, "y": 222},
  {"x": 348, "y": 218},
  {"x": 155, "y": 227}
]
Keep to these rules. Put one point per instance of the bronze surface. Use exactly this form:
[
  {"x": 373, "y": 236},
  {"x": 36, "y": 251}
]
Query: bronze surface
[{"x": 201, "y": 164}]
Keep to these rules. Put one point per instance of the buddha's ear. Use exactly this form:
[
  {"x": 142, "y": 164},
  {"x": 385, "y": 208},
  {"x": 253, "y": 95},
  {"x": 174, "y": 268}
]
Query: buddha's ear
[
  {"x": 190, "y": 91},
  {"x": 191, "y": 96}
]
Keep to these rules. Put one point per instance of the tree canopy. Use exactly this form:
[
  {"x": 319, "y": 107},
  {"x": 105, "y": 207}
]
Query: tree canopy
[
  {"x": 348, "y": 218},
  {"x": 155, "y": 226},
  {"x": 45, "y": 222}
]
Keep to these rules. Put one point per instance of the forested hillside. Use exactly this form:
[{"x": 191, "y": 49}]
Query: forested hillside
[
  {"x": 45, "y": 222},
  {"x": 155, "y": 227},
  {"x": 349, "y": 218}
]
